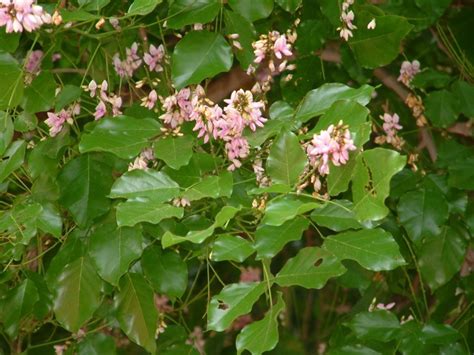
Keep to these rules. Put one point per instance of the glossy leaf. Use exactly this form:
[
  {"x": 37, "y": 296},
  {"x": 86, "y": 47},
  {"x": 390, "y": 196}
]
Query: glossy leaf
[
  {"x": 318, "y": 101},
  {"x": 49, "y": 221},
  {"x": 199, "y": 55},
  {"x": 312, "y": 267},
  {"x": 422, "y": 212},
  {"x": 188, "y": 12},
  {"x": 84, "y": 184},
  {"x": 374, "y": 249},
  {"x": 440, "y": 258},
  {"x": 379, "y": 325},
  {"x": 123, "y": 136},
  {"x": 67, "y": 95},
  {"x": 139, "y": 210},
  {"x": 150, "y": 184},
  {"x": 11, "y": 82},
  {"x": 19, "y": 304},
  {"x": 166, "y": 271},
  {"x": 231, "y": 247},
  {"x": 371, "y": 182},
  {"x": 442, "y": 108},
  {"x": 262, "y": 335},
  {"x": 136, "y": 312},
  {"x": 465, "y": 93},
  {"x": 143, "y": 7},
  {"x": 252, "y": 10},
  {"x": 12, "y": 159},
  {"x": 283, "y": 209},
  {"x": 6, "y": 131},
  {"x": 174, "y": 151},
  {"x": 236, "y": 23},
  {"x": 97, "y": 344},
  {"x": 380, "y": 46},
  {"x": 113, "y": 249},
  {"x": 77, "y": 293},
  {"x": 199, "y": 236},
  {"x": 289, "y": 5},
  {"x": 269, "y": 240},
  {"x": 233, "y": 301},
  {"x": 39, "y": 96},
  {"x": 337, "y": 216},
  {"x": 286, "y": 160}
]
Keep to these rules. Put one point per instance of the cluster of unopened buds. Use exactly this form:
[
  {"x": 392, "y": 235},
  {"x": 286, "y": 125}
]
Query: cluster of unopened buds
[
  {"x": 347, "y": 17},
  {"x": 391, "y": 127},
  {"x": 56, "y": 121},
  {"x": 107, "y": 102},
  {"x": 272, "y": 52},
  {"x": 408, "y": 70},
  {"x": 415, "y": 103},
  {"x": 211, "y": 121},
  {"x": 22, "y": 15}
]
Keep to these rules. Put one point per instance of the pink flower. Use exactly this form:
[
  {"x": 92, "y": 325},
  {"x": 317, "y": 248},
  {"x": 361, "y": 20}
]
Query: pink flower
[
  {"x": 154, "y": 57},
  {"x": 56, "y": 122},
  {"x": 92, "y": 88},
  {"x": 126, "y": 68},
  {"x": 33, "y": 62},
  {"x": 150, "y": 101},
  {"x": 100, "y": 110},
  {"x": 178, "y": 108},
  {"x": 19, "y": 15},
  {"x": 242, "y": 111},
  {"x": 391, "y": 125},
  {"x": 237, "y": 148},
  {"x": 408, "y": 71},
  {"x": 116, "y": 102},
  {"x": 281, "y": 48},
  {"x": 332, "y": 145}
]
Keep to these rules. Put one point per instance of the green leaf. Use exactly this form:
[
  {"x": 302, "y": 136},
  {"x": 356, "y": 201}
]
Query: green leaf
[
  {"x": 262, "y": 335},
  {"x": 374, "y": 249},
  {"x": 12, "y": 159},
  {"x": 6, "y": 131},
  {"x": 380, "y": 46},
  {"x": 25, "y": 122},
  {"x": 283, "y": 209},
  {"x": 461, "y": 173},
  {"x": 318, "y": 101},
  {"x": 68, "y": 94},
  {"x": 166, "y": 271},
  {"x": 49, "y": 221},
  {"x": 430, "y": 78},
  {"x": 77, "y": 15},
  {"x": 175, "y": 151},
  {"x": 143, "y": 7},
  {"x": 442, "y": 108},
  {"x": 252, "y": 10},
  {"x": 286, "y": 160},
  {"x": 139, "y": 210},
  {"x": 20, "y": 221},
  {"x": 150, "y": 184},
  {"x": 93, "y": 5},
  {"x": 371, "y": 181},
  {"x": 235, "y": 23},
  {"x": 39, "y": 96},
  {"x": 18, "y": 304},
  {"x": 97, "y": 344},
  {"x": 340, "y": 177},
  {"x": 269, "y": 240},
  {"x": 200, "y": 55},
  {"x": 231, "y": 247},
  {"x": 422, "y": 212},
  {"x": 465, "y": 93},
  {"x": 233, "y": 301},
  {"x": 77, "y": 294},
  {"x": 11, "y": 82},
  {"x": 311, "y": 268},
  {"x": 289, "y": 5},
  {"x": 197, "y": 237},
  {"x": 379, "y": 325},
  {"x": 113, "y": 250},
  {"x": 123, "y": 136},
  {"x": 337, "y": 216},
  {"x": 9, "y": 41},
  {"x": 440, "y": 258},
  {"x": 188, "y": 12},
  {"x": 136, "y": 311},
  {"x": 84, "y": 183}
]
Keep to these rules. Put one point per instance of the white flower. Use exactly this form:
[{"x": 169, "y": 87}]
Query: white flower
[{"x": 371, "y": 25}]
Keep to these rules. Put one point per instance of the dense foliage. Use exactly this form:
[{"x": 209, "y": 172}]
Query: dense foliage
[{"x": 236, "y": 176}]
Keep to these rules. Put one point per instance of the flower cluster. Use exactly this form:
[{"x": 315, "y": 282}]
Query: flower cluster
[
  {"x": 56, "y": 121},
  {"x": 19, "y": 15},
  {"x": 415, "y": 103},
  {"x": 332, "y": 145},
  {"x": 408, "y": 71},
  {"x": 141, "y": 162},
  {"x": 391, "y": 127},
  {"x": 126, "y": 67},
  {"x": 154, "y": 57},
  {"x": 347, "y": 17},
  {"x": 211, "y": 121},
  {"x": 101, "y": 92}
]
